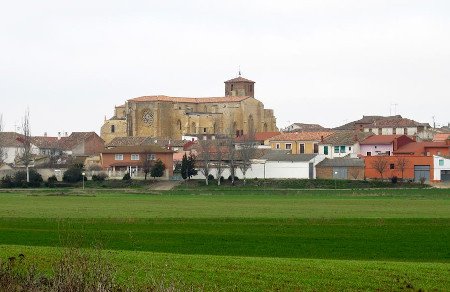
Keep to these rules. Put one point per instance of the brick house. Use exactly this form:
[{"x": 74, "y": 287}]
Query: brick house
[
  {"x": 82, "y": 144},
  {"x": 122, "y": 159},
  {"x": 425, "y": 148}
]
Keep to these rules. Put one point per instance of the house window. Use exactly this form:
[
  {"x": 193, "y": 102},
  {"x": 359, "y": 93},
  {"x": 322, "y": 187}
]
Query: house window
[
  {"x": 288, "y": 146},
  {"x": 113, "y": 128},
  {"x": 441, "y": 162},
  {"x": 388, "y": 153},
  {"x": 302, "y": 148},
  {"x": 342, "y": 149},
  {"x": 134, "y": 156},
  {"x": 118, "y": 157},
  {"x": 325, "y": 150},
  {"x": 405, "y": 131},
  {"x": 394, "y": 131},
  {"x": 369, "y": 153},
  {"x": 151, "y": 157},
  {"x": 380, "y": 131},
  {"x": 336, "y": 149},
  {"x": 277, "y": 145},
  {"x": 316, "y": 148},
  {"x": 350, "y": 148},
  {"x": 391, "y": 166}
]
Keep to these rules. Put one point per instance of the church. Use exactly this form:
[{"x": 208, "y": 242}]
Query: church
[{"x": 236, "y": 113}]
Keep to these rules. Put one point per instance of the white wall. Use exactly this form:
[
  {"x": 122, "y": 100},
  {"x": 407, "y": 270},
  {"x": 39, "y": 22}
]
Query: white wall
[
  {"x": 353, "y": 152},
  {"x": 273, "y": 169},
  {"x": 438, "y": 168}
]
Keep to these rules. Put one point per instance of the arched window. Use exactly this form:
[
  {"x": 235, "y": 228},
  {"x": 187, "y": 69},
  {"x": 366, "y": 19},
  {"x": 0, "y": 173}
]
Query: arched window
[
  {"x": 265, "y": 127},
  {"x": 251, "y": 124},
  {"x": 179, "y": 125},
  {"x": 193, "y": 128}
]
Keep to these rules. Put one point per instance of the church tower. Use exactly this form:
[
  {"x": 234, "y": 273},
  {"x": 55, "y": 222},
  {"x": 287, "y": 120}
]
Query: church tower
[{"x": 240, "y": 86}]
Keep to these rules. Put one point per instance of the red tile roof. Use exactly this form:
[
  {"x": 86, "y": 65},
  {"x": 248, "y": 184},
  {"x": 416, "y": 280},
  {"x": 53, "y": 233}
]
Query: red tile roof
[
  {"x": 10, "y": 139},
  {"x": 239, "y": 79},
  {"x": 441, "y": 137},
  {"x": 380, "y": 139},
  {"x": 395, "y": 122},
  {"x": 419, "y": 147},
  {"x": 301, "y": 136},
  {"x": 263, "y": 136},
  {"x": 165, "y": 98}
]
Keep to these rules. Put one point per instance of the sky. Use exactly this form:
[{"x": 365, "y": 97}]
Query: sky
[{"x": 316, "y": 61}]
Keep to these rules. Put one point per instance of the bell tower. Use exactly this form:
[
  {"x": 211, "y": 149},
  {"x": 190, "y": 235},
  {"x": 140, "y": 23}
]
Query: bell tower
[{"x": 240, "y": 86}]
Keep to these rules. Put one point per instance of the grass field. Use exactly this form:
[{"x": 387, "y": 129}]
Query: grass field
[{"x": 243, "y": 239}]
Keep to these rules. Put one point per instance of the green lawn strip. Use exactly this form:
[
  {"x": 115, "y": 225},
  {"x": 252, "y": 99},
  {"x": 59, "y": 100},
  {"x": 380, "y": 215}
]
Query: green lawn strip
[
  {"x": 365, "y": 239},
  {"x": 242, "y": 204},
  {"x": 254, "y": 273}
]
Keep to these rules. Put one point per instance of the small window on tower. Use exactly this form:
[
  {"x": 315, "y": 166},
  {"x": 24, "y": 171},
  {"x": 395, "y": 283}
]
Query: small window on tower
[
  {"x": 113, "y": 128},
  {"x": 204, "y": 130}
]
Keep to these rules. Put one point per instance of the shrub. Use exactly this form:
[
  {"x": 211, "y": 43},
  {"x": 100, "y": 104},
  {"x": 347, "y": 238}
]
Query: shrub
[
  {"x": 73, "y": 174},
  {"x": 210, "y": 177},
  {"x": 126, "y": 176},
  {"x": 394, "y": 179},
  {"x": 157, "y": 169},
  {"x": 20, "y": 179},
  {"x": 52, "y": 179},
  {"x": 99, "y": 177},
  {"x": 235, "y": 178},
  {"x": 7, "y": 182},
  {"x": 222, "y": 179}
]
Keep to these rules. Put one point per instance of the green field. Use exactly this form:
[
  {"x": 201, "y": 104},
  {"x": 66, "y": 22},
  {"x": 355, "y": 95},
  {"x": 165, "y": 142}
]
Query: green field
[{"x": 243, "y": 239}]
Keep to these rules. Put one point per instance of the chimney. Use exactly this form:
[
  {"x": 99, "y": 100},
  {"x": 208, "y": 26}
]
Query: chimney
[
  {"x": 65, "y": 134},
  {"x": 45, "y": 134},
  {"x": 59, "y": 135},
  {"x": 321, "y": 138}
]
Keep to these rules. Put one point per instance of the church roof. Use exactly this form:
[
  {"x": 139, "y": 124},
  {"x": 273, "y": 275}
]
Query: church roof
[
  {"x": 190, "y": 99},
  {"x": 239, "y": 79}
]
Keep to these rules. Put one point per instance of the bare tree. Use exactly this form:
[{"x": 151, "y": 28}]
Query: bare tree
[
  {"x": 26, "y": 155},
  {"x": 402, "y": 164},
  {"x": 147, "y": 164},
  {"x": 380, "y": 164},
  {"x": 205, "y": 156},
  {"x": 2, "y": 151},
  {"x": 247, "y": 151},
  {"x": 218, "y": 157},
  {"x": 230, "y": 144}
]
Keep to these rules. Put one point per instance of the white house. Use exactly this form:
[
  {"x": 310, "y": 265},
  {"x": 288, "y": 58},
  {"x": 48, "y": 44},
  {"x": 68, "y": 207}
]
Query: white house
[
  {"x": 12, "y": 147},
  {"x": 399, "y": 126},
  {"x": 441, "y": 168},
  {"x": 342, "y": 144}
]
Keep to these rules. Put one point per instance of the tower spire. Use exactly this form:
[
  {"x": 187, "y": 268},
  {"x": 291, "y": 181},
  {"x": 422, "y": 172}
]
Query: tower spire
[{"x": 239, "y": 70}]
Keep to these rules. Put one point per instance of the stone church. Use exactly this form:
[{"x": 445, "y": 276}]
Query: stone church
[{"x": 171, "y": 117}]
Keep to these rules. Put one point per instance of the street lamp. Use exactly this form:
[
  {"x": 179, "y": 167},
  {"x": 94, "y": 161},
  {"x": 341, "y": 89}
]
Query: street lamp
[
  {"x": 335, "y": 180},
  {"x": 83, "y": 178}
]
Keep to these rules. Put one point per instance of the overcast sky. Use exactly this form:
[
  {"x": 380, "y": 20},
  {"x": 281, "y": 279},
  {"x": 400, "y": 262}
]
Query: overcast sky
[{"x": 326, "y": 62}]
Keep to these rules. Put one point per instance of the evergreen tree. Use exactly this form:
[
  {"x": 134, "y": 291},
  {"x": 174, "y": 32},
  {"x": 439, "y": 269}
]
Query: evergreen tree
[
  {"x": 158, "y": 169},
  {"x": 188, "y": 166}
]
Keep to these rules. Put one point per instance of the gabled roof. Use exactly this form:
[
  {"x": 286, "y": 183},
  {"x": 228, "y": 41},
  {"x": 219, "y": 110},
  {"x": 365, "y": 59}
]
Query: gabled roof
[
  {"x": 164, "y": 98},
  {"x": 364, "y": 120},
  {"x": 395, "y": 122},
  {"x": 419, "y": 147},
  {"x": 75, "y": 139},
  {"x": 439, "y": 137},
  {"x": 263, "y": 136},
  {"x": 380, "y": 139},
  {"x": 341, "y": 162},
  {"x": 301, "y": 136},
  {"x": 44, "y": 142},
  {"x": 136, "y": 141},
  {"x": 308, "y": 127},
  {"x": 239, "y": 79},
  {"x": 10, "y": 139},
  {"x": 345, "y": 137},
  {"x": 136, "y": 149}
]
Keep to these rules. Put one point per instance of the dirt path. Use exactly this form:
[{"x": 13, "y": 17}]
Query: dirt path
[{"x": 165, "y": 185}]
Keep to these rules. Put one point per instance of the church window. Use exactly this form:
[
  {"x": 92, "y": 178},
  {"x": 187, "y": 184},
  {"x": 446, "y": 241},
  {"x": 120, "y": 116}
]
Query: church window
[{"x": 113, "y": 128}]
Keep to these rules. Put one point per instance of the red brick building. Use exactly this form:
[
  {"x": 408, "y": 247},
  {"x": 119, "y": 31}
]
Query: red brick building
[{"x": 120, "y": 160}]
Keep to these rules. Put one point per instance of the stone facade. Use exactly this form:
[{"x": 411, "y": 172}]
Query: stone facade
[{"x": 171, "y": 117}]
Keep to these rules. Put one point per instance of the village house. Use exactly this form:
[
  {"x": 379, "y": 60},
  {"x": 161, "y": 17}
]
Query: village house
[
  {"x": 261, "y": 140},
  {"x": 383, "y": 144},
  {"x": 13, "y": 147},
  {"x": 441, "y": 168},
  {"x": 117, "y": 161},
  {"x": 299, "y": 142},
  {"x": 341, "y": 168},
  {"x": 301, "y": 127},
  {"x": 399, "y": 126},
  {"x": 82, "y": 144},
  {"x": 342, "y": 143},
  {"x": 425, "y": 148}
]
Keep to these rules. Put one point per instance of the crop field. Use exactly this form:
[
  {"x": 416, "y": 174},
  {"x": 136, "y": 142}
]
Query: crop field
[{"x": 242, "y": 239}]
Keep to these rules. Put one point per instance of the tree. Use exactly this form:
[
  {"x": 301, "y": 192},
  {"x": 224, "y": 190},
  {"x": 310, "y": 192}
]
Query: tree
[
  {"x": 73, "y": 174},
  {"x": 157, "y": 169},
  {"x": 380, "y": 164},
  {"x": 205, "y": 155},
  {"x": 188, "y": 166},
  {"x": 402, "y": 164},
  {"x": 354, "y": 172},
  {"x": 26, "y": 155},
  {"x": 247, "y": 151},
  {"x": 147, "y": 164},
  {"x": 231, "y": 149},
  {"x": 218, "y": 157}
]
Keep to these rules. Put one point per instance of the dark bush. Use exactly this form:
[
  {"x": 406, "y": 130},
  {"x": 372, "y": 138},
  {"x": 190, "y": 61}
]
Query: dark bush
[
  {"x": 126, "y": 176},
  {"x": 7, "y": 182},
  {"x": 235, "y": 178},
  {"x": 222, "y": 179},
  {"x": 99, "y": 177},
  {"x": 20, "y": 179},
  {"x": 394, "y": 179},
  {"x": 73, "y": 174},
  {"x": 52, "y": 179},
  {"x": 210, "y": 177}
]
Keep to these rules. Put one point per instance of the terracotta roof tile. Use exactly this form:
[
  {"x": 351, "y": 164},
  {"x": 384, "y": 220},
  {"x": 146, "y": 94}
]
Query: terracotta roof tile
[
  {"x": 301, "y": 136},
  {"x": 9, "y": 139},
  {"x": 262, "y": 136},
  {"x": 419, "y": 147},
  {"x": 165, "y": 98},
  {"x": 239, "y": 79},
  {"x": 345, "y": 137},
  {"x": 137, "y": 149},
  {"x": 439, "y": 137},
  {"x": 380, "y": 139}
]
